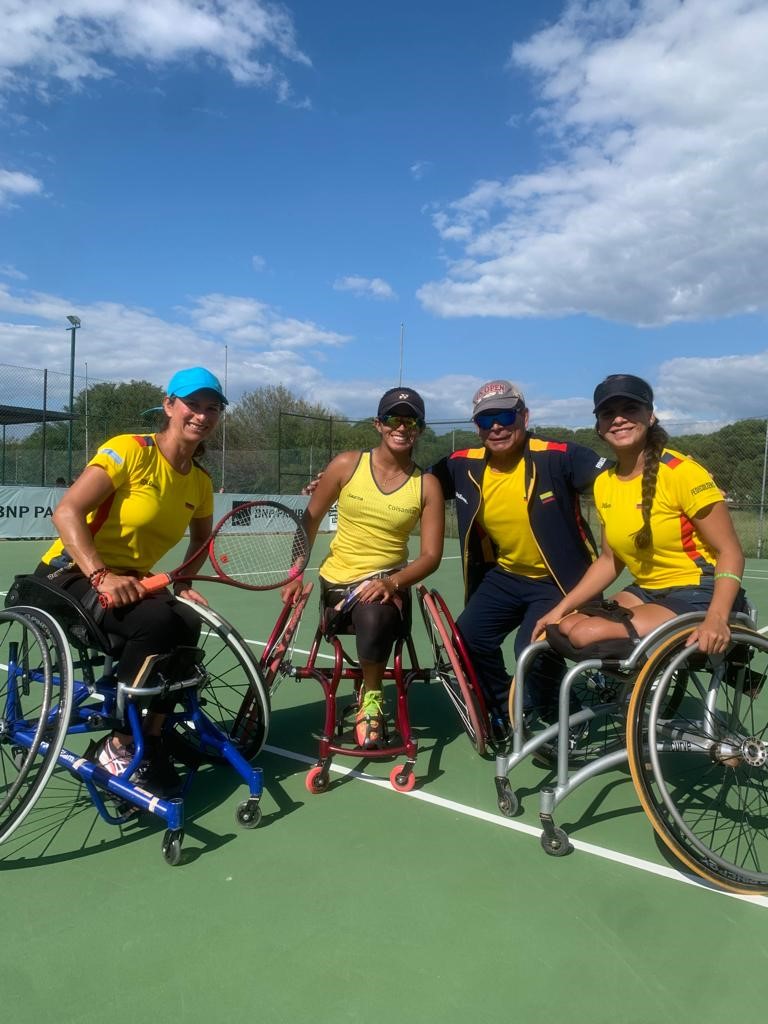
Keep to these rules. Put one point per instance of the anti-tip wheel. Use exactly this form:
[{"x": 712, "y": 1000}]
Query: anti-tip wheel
[
  {"x": 507, "y": 801},
  {"x": 402, "y": 779},
  {"x": 316, "y": 780},
  {"x": 171, "y": 847},
  {"x": 556, "y": 844},
  {"x": 248, "y": 813}
]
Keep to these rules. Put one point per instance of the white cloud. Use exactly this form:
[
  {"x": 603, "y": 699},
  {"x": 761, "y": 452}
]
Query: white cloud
[
  {"x": 258, "y": 263},
  {"x": 420, "y": 168},
  {"x": 367, "y": 287},
  {"x": 724, "y": 388},
  {"x": 655, "y": 206},
  {"x": 16, "y": 184},
  {"x": 8, "y": 270},
  {"x": 239, "y": 320},
  {"x": 74, "y": 40},
  {"x": 123, "y": 343}
]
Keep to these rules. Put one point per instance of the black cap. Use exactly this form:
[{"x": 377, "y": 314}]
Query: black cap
[
  {"x": 401, "y": 396},
  {"x": 623, "y": 385}
]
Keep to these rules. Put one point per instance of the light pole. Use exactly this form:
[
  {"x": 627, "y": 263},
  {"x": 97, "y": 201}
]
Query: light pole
[{"x": 75, "y": 322}]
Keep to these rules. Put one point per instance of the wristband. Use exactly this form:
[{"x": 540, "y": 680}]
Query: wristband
[{"x": 727, "y": 576}]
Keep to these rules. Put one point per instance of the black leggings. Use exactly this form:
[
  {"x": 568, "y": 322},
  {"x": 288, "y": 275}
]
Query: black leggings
[
  {"x": 376, "y": 625},
  {"x": 157, "y": 625}
]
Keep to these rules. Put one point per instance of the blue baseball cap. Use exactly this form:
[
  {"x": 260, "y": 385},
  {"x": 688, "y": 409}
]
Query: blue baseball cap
[{"x": 197, "y": 378}]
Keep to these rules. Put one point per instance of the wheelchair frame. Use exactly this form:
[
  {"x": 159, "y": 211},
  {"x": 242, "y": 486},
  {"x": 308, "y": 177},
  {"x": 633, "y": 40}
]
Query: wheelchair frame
[
  {"x": 66, "y": 696},
  {"x": 656, "y": 680}
]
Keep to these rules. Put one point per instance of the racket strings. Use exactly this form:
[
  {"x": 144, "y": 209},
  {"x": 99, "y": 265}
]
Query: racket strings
[{"x": 260, "y": 552}]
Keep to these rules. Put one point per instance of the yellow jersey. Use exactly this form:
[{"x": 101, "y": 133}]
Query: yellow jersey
[
  {"x": 504, "y": 517},
  {"x": 150, "y": 509},
  {"x": 373, "y": 527},
  {"x": 678, "y": 556}
]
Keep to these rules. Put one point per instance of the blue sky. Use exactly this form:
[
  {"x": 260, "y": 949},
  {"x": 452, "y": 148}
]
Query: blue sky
[{"x": 545, "y": 191}]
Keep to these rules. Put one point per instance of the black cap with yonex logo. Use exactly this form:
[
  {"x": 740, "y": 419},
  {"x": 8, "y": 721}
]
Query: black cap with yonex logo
[
  {"x": 623, "y": 385},
  {"x": 396, "y": 397}
]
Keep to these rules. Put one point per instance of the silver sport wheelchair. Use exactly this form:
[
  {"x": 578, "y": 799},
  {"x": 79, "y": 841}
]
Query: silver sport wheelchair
[
  {"x": 693, "y": 727},
  {"x": 58, "y": 685}
]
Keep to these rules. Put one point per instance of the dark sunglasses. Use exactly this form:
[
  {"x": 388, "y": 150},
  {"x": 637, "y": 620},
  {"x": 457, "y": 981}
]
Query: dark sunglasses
[
  {"x": 504, "y": 418},
  {"x": 409, "y": 422}
]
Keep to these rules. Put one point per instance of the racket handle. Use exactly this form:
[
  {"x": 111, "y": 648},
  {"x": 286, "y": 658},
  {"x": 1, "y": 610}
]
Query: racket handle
[
  {"x": 149, "y": 583},
  {"x": 157, "y": 582}
]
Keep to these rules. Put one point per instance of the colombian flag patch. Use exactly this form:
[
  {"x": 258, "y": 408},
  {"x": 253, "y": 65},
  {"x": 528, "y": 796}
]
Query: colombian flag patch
[{"x": 546, "y": 496}]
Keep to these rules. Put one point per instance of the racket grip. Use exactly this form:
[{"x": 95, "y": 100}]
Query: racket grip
[
  {"x": 149, "y": 583},
  {"x": 157, "y": 582}
]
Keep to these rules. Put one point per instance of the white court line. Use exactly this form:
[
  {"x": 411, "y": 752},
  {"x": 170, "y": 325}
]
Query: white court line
[{"x": 531, "y": 830}]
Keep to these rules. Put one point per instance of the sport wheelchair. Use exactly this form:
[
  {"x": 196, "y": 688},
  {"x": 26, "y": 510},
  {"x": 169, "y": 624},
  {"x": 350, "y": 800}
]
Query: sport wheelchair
[
  {"x": 58, "y": 683},
  {"x": 693, "y": 727},
  {"x": 450, "y": 668}
]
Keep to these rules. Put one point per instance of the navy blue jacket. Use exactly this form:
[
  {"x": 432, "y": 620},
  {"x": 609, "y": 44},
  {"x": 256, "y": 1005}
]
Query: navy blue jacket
[{"x": 556, "y": 473}]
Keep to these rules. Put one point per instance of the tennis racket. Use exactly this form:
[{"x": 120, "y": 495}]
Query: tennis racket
[{"x": 260, "y": 545}]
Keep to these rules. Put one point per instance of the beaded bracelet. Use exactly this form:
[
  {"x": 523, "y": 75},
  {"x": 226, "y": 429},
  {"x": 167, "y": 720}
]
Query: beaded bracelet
[
  {"x": 727, "y": 576},
  {"x": 96, "y": 578}
]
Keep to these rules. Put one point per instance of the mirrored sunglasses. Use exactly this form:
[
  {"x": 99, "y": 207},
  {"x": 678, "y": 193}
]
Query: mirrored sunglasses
[
  {"x": 409, "y": 422},
  {"x": 504, "y": 418}
]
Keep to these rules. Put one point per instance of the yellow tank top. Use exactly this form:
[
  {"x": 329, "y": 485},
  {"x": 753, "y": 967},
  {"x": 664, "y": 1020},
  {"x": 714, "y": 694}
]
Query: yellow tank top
[
  {"x": 504, "y": 517},
  {"x": 373, "y": 527}
]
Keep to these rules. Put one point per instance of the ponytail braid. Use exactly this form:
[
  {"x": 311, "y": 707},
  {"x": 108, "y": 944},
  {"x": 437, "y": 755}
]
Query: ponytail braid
[{"x": 654, "y": 446}]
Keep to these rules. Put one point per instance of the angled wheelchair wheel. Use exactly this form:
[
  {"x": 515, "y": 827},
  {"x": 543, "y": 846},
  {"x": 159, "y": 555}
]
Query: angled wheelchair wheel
[
  {"x": 453, "y": 668},
  {"x": 36, "y": 682},
  {"x": 698, "y": 751},
  {"x": 234, "y": 696},
  {"x": 281, "y": 638}
]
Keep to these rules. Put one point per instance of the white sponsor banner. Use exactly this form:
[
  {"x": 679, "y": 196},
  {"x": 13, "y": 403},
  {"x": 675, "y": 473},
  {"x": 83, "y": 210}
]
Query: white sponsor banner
[{"x": 27, "y": 511}]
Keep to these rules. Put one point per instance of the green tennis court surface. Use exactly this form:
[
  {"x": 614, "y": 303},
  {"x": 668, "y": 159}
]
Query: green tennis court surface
[{"x": 363, "y": 903}]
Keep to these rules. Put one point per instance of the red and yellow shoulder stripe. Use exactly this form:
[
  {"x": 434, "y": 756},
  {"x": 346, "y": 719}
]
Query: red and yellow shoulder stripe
[{"x": 538, "y": 444}]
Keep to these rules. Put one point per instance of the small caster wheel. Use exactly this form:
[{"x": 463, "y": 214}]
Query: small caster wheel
[
  {"x": 507, "y": 801},
  {"x": 556, "y": 845},
  {"x": 248, "y": 813},
  {"x": 402, "y": 778},
  {"x": 316, "y": 780},
  {"x": 171, "y": 848}
]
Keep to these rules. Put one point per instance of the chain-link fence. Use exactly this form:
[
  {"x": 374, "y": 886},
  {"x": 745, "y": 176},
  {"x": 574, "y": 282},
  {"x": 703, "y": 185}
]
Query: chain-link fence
[{"x": 281, "y": 455}]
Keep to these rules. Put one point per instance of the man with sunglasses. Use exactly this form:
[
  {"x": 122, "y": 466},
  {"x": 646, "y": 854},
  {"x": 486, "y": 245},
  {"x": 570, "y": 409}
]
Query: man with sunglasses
[{"x": 523, "y": 540}]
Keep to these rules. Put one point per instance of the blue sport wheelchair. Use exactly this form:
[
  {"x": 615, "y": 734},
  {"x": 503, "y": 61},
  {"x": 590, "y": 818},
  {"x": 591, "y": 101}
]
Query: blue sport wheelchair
[{"x": 58, "y": 686}]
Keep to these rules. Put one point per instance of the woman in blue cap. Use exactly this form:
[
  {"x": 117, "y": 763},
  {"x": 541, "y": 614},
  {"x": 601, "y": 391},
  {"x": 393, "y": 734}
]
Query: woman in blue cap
[{"x": 132, "y": 503}]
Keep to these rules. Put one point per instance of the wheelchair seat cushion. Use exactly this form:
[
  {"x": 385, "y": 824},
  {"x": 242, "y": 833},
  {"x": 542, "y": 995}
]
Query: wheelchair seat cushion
[{"x": 605, "y": 650}]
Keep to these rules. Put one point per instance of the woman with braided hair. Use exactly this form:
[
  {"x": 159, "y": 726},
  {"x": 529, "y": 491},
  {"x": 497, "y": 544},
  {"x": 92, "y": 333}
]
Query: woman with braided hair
[{"x": 665, "y": 520}]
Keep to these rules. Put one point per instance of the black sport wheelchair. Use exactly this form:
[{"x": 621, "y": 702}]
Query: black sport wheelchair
[
  {"x": 58, "y": 685},
  {"x": 693, "y": 727}
]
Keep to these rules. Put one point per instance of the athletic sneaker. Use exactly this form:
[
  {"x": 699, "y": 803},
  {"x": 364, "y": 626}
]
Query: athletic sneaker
[
  {"x": 110, "y": 754},
  {"x": 155, "y": 773},
  {"x": 369, "y": 723}
]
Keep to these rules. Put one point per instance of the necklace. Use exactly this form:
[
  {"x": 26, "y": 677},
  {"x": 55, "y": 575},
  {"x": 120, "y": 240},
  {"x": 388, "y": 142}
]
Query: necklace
[{"x": 381, "y": 480}]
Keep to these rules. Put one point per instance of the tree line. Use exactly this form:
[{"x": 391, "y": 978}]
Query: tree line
[{"x": 272, "y": 442}]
